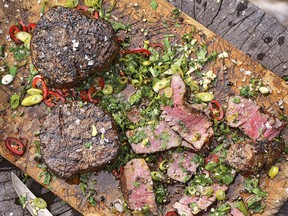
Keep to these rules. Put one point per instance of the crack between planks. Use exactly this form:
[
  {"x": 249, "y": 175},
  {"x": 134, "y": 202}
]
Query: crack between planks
[
  {"x": 217, "y": 13},
  {"x": 253, "y": 31}
]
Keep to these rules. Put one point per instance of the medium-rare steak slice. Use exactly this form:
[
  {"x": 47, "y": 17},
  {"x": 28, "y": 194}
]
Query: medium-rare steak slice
[
  {"x": 250, "y": 156},
  {"x": 69, "y": 45},
  {"x": 77, "y": 139},
  {"x": 247, "y": 116},
  {"x": 154, "y": 138},
  {"x": 179, "y": 89},
  {"x": 182, "y": 167},
  {"x": 194, "y": 126},
  {"x": 137, "y": 186},
  {"x": 192, "y": 205},
  {"x": 238, "y": 113}
]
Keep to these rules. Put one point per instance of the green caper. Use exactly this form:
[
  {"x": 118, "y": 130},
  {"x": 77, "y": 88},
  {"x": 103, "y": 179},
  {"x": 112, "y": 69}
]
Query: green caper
[
  {"x": 194, "y": 87},
  {"x": 157, "y": 176},
  {"x": 108, "y": 89},
  {"x": 273, "y": 171},
  {"x": 163, "y": 165},
  {"x": 205, "y": 96},
  {"x": 34, "y": 91},
  {"x": 40, "y": 203},
  {"x": 168, "y": 91},
  {"x": 32, "y": 100},
  {"x": 146, "y": 63},
  {"x": 123, "y": 80},
  {"x": 220, "y": 195}
]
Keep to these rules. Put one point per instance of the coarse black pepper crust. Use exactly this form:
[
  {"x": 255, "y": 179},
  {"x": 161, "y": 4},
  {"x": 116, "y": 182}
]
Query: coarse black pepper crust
[
  {"x": 67, "y": 144},
  {"x": 69, "y": 45}
]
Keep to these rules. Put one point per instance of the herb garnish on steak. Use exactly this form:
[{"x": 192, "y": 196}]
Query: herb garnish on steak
[
  {"x": 69, "y": 45},
  {"x": 137, "y": 186},
  {"x": 246, "y": 115},
  {"x": 68, "y": 145}
]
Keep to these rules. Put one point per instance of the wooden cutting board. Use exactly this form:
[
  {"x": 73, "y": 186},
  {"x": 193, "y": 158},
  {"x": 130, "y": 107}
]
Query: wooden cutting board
[{"x": 25, "y": 121}]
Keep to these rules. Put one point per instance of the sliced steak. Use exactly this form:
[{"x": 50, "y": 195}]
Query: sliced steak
[
  {"x": 67, "y": 144},
  {"x": 254, "y": 127},
  {"x": 69, "y": 45},
  {"x": 249, "y": 156},
  {"x": 191, "y": 124},
  {"x": 182, "y": 168},
  {"x": 153, "y": 138},
  {"x": 179, "y": 89},
  {"x": 247, "y": 116},
  {"x": 194, "y": 126},
  {"x": 238, "y": 113},
  {"x": 137, "y": 186},
  {"x": 200, "y": 202}
]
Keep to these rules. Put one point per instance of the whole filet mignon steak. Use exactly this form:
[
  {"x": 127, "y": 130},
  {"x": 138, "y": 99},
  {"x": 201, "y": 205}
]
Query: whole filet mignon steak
[
  {"x": 77, "y": 139},
  {"x": 69, "y": 45}
]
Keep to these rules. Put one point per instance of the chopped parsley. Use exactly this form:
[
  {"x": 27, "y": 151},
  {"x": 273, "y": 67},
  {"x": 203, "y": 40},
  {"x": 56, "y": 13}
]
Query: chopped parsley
[{"x": 153, "y": 4}]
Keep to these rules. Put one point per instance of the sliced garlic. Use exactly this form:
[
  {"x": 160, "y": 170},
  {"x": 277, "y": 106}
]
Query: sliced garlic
[{"x": 7, "y": 79}]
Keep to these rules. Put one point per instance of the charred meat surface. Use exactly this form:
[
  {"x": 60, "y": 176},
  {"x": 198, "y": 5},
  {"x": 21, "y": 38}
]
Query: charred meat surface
[
  {"x": 250, "y": 156},
  {"x": 182, "y": 168},
  {"x": 76, "y": 140},
  {"x": 192, "y": 205},
  {"x": 137, "y": 186},
  {"x": 69, "y": 45},
  {"x": 247, "y": 116}
]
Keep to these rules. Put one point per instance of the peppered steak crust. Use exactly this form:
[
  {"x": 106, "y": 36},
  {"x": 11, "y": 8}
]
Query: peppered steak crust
[
  {"x": 69, "y": 45},
  {"x": 67, "y": 144}
]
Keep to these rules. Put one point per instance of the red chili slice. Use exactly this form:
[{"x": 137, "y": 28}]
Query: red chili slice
[
  {"x": 101, "y": 82},
  {"x": 212, "y": 158},
  {"x": 116, "y": 173},
  {"x": 24, "y": 28},
  {"x": 31, "y": 27},
  {"x": 81, "y": 7},
  {"x": 49, "y": 102},
  {"x": 53, "y": 97},
  {"x": 12, "y": 31},
  {"x": 171, "y": 213},
  {"x": 96, "y": 14},
  {"x": 43, "y": 84},
  {"x": 15, "y": 146},
  {"x": 155, "y": 45},
  {"x": 63, "y": 92},
  {"x": 122, "y": 73},
  {"x": 216, "y": 110},
  {"x": 84, "y": 95},
  {"x": 91, "y": 91},
  {"x": 56, "y": 95},
  {"x": 136, "y": 50}
]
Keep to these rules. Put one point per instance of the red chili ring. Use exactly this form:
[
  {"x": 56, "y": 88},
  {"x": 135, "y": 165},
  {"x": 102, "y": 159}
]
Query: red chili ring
[
  {"x": 31, "y": 27},
  {"x": 92, "y": 90},
  {"x": 12, "y": 31},
  {"x": 136, "y": 50},
  {"x": 216, "y": 113},
  {"x": 24, "y": 28},
  {"x": 84, "y": 95},
  {"x": 18, "y": 149}
]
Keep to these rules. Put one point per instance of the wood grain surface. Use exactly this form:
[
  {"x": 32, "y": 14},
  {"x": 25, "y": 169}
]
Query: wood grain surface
[
  {"x": 246, "y": 27},
  {"x": 229, "y": 69}
]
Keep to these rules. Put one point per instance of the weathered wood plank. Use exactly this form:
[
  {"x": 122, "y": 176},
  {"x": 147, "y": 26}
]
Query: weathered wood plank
[
  {"x": 215, "y": 43},
  {"x": 246, "y": 27},
  {"x": 9, "y": 199}
]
